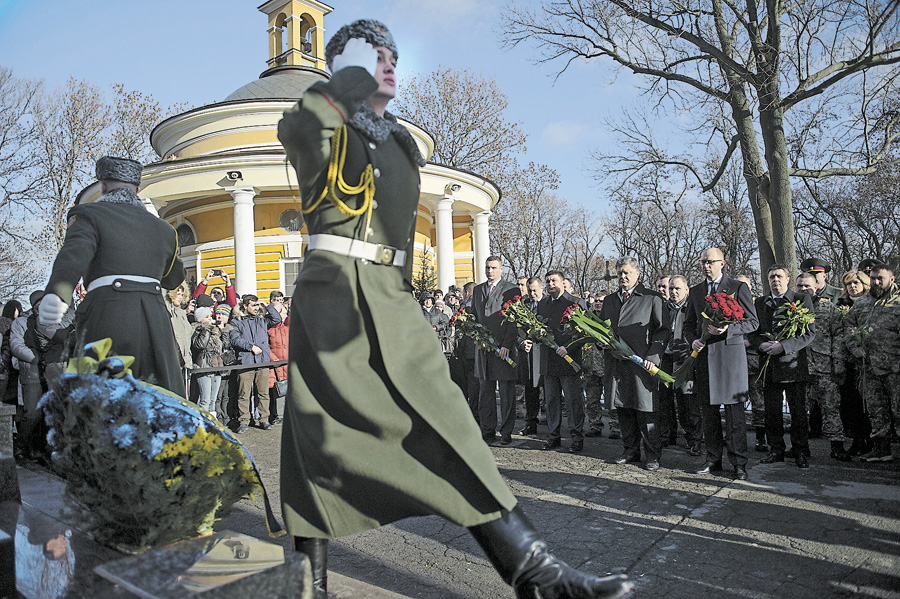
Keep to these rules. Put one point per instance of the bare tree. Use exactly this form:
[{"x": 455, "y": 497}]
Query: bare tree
[
  {"x": 17, "y": 99},
  {"x": 70, "y": 124},
  {"x": 464, "y": 113},
  {"x": 728, "y": 222},
  {"x": 775, "y": 70},
  {"x": 655, "y": 219},
  {"x": 530, "y": 226},
  {"x": 583, "y": 261},
  {"x": 845, "y": 220}
]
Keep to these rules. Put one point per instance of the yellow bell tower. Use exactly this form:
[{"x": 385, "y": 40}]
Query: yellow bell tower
[{"x": 296, "y": 32}]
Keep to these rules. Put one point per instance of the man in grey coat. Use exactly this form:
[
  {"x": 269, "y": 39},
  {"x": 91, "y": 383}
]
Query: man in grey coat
[
  {"x": 721, "y": 368},
  {"x": 639, "y": 317}
]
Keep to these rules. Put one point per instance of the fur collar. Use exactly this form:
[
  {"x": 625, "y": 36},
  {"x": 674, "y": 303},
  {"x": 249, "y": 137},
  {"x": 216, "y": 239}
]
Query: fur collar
[
  {"x": 122, "y": 196},
  {"x": 376, "y": 128}
]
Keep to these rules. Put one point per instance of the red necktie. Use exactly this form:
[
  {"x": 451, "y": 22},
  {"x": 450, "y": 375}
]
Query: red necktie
[{"x": 624, "y": 296}]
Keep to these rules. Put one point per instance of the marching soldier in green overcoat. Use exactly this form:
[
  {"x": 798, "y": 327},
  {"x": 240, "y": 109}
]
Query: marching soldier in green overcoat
[
  {"x": 375, "y": 430},
  {"x": 126, "y": 256}
]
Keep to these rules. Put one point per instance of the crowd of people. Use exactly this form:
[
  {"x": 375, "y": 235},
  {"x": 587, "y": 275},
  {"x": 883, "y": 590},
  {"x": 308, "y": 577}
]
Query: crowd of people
[
  {"x": 838, "y": 376},
  {"x": 212, "y": 331}
]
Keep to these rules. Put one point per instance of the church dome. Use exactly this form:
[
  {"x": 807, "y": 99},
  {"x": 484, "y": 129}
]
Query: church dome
[{"x": 288, "y": 82}]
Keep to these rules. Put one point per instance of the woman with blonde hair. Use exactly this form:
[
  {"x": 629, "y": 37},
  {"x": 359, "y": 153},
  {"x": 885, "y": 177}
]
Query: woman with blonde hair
[{"x": 855, "y": 284}]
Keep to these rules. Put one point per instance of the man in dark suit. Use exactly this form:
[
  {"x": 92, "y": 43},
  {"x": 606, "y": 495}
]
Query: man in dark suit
[
  {"x": 530, "y": 362},
  {"x": 787, "y": 372},
  {"x": 688, "y": 408},
  {"x": 491, "y": 368},
  {"x": 639, "y": 317},
  {"x": 560, "y": 378},
  {"x": 720, "y": 372}
]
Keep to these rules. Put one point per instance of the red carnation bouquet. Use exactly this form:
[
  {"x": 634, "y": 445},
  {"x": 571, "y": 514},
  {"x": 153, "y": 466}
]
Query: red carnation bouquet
[
  {"x": 516, "y": 312},
  {"x": 465, "y": 324},
  {"x": 721, "y": 309}
]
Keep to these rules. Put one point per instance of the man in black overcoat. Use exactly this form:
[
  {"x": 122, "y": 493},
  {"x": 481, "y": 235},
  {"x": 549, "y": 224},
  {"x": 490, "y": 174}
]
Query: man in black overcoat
[
  {"x": 787, "y": 373},
  {"x": 560, "y": 377},
  {"x": 530, "y": 362}
]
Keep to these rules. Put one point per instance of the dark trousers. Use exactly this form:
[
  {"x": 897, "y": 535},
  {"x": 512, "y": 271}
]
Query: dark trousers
[
  {"x": 554, "y": 388},
  {"x": 226, "y": 385},
  {"x": 487, "y": 407},
  {"x": 735, "y": 433},
  {"x": 640, "y": 428},
  {"x": 668, "y": 417},
  {"x": 532, "y": 402},
  {"x": 853, "y": 409},
  {"x": 795, "y": 393},
  {"x": 473, "y": 387},
  {"x": 248, "y": 381},
  {"x": 691, "y": 416}
]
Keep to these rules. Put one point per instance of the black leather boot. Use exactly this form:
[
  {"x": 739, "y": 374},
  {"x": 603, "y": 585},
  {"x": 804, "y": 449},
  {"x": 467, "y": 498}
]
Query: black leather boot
[
  {"x": 317, "y": 552},
  {"x": 521, "y": 558}
]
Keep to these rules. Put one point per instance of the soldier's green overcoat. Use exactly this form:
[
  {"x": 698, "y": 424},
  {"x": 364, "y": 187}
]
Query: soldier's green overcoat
[{"x": 375, "y": 430}]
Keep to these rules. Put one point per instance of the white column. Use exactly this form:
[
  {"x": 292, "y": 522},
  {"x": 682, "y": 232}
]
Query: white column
[
  {"x": 446, "y": 268},
  {"x": 482, "y": 244},
  {"x": 244, "y": 242}
]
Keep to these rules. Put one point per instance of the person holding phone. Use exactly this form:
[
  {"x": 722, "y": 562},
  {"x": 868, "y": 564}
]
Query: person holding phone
[{"x": 229, "y": 296}]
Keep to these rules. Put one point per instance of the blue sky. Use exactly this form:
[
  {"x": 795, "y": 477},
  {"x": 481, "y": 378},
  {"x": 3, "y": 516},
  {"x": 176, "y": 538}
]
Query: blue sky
[{"x": 199, "y": 51}]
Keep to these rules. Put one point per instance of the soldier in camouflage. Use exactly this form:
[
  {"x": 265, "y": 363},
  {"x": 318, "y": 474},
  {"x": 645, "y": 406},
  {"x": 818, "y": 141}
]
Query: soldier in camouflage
[
  {"x": 826, "y": 358},
  {"x": 873, "y": 336}
]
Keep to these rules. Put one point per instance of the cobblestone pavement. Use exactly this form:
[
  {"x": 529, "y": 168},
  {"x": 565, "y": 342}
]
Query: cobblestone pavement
[{"x": 830, "y": 531}]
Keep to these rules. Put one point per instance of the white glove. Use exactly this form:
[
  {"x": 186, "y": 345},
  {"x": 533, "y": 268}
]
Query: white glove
[
  {"x": 51, "y": 309},
  {"x": 357, "y": 53}
]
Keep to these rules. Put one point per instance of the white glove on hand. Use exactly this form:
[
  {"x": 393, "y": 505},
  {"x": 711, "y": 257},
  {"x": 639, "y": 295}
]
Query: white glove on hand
[
  {"x": 357, "y": 53},
  {"x": 51, "y": 309}
]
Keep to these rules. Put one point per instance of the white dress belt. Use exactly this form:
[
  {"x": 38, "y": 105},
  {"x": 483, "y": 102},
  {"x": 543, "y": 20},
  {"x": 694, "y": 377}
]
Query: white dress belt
[
  {"x": 110, "y": 279},
  {"x": 355, "y": 248}
]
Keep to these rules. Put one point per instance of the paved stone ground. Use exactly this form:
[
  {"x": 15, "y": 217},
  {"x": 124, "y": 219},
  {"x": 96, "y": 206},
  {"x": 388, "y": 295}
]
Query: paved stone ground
[{"x": 830, "y": 531}]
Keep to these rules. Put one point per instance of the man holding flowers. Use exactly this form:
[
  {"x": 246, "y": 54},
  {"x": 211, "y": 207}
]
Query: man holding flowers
[
  {"x": 638, "y": 316},
  {"x": 720, "y": 369},
  {"x": 786, "y": 327}
]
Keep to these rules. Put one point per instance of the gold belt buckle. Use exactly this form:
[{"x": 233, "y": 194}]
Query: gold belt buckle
[{"x": 384, "y": 254}]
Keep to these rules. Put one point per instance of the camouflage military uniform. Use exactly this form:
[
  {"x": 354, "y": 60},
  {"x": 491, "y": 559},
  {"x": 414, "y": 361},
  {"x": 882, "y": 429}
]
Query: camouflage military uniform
[
  {"x": 881, "y": 377},
  {"x": 592, "y": 374},
  {"x": 826, "y": 357}
]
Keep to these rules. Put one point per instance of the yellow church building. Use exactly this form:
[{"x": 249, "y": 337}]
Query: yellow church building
[{"x": 224, "y": 184}]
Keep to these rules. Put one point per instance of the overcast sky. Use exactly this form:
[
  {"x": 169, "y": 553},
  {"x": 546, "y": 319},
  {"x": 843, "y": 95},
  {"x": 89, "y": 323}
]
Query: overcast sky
[{"x": 199, "y": 51}]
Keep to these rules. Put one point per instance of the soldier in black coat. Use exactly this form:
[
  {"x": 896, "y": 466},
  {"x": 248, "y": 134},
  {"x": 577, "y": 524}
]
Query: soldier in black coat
[{"x": 126, "y": 256}]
